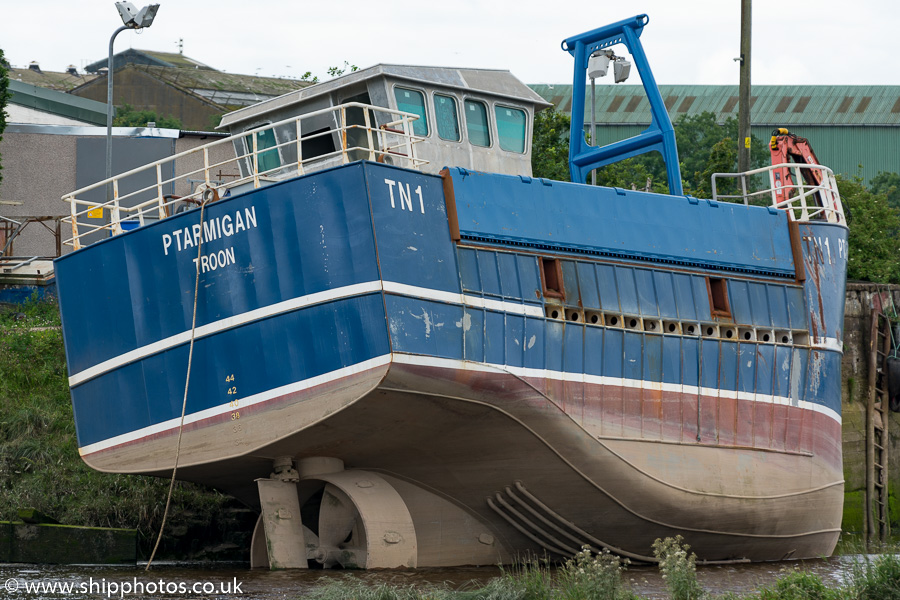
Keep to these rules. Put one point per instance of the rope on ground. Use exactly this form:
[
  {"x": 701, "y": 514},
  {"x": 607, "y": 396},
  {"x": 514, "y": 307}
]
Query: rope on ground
[{"x": 187, "y": 382}]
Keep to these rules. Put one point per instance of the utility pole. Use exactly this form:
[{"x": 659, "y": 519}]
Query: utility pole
[{"x": 744, "y": 94}]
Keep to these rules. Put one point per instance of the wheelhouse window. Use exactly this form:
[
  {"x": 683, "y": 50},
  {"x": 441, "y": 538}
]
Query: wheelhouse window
[
  {"x": 511, "y": 128},
  {"x": 477, "y": 123},
  {"x": 445, "y": 117},
  {"x": 413, "y": 101},
  {"x": 267, "y": 159}
]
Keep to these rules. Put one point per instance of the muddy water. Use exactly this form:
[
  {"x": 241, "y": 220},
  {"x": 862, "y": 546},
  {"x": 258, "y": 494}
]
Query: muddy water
[{"x": 217, "y": 581}]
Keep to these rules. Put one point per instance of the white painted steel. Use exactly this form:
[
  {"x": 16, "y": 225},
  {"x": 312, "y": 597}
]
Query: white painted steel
[
  {"x": 393, "y": 141},
  {"x": 803, "y": 205}
]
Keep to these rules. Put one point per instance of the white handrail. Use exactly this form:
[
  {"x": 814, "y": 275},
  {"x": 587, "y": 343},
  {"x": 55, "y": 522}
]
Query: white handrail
[
  {"x": 393, "y": 142},
  {"x": 805, "y": 202}
]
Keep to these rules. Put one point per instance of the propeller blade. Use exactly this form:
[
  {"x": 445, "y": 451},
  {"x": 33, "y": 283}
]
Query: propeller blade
[{"x": 337, "y": 516}]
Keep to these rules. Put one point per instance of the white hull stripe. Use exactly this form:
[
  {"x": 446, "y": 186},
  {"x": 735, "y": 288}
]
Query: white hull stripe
[
  {"x": 453, "y": 364},
  {"x": 357, "y": 289},
  {"x": 446, "y": 363},
  {"x": 223, "y": 409}
]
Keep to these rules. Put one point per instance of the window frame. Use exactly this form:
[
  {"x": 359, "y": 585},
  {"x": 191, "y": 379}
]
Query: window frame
[
  {"x": 499, "y": 105},
  {"x": 487, "y": 114},
  {"x": 428, "y": 118},
  {"x": 437, "y": 130}
]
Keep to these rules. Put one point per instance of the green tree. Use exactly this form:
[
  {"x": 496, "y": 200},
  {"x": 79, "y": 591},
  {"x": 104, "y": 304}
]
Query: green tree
[
  {"x": 722, "y": 159},
  {"x": 704, "y": 147},
  {"x": 338, "y": 71},
  {"x": 4, "y": 97},
  {"x": 637, "y": 173},
  {"x": 550, "y": 145},
  {"x": 889, "y": 185},
  {"x": 127, "y": 116},
  {"x": 698, "y": 138},
  {"x": 874, "y": 237}
]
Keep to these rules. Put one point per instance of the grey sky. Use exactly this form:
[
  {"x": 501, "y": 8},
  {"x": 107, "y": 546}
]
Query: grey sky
[{"x": 829, "y": 42}]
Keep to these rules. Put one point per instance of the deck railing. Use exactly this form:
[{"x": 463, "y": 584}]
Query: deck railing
[
  {"x": 251, "y": 159},
  {"x": 805, "y": 201}
]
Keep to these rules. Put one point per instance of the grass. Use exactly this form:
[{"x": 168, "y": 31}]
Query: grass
[
  {"x": 590, "y": 576},
  {"x": 39, "y": 462}
]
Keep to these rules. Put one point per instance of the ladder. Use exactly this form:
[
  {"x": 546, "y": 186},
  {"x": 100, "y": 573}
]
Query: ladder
[{"x": 877, "y": 419}]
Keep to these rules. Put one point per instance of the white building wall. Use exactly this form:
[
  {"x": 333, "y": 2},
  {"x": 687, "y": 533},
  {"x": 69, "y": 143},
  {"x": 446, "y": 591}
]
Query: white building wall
[{"x": 30, "y": 116}]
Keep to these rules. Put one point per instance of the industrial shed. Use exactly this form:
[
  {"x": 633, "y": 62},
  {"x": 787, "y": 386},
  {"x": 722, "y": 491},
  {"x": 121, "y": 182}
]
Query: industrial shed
[{"x": 848, "y": 126}]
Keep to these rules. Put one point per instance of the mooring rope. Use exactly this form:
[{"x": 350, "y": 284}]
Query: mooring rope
[{"x": 187, "y": 382}]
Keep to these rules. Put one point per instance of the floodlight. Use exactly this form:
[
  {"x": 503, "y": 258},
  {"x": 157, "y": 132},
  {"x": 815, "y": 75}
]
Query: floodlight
[
  {"x": 146, "y": 15},
  {"x": 134, "y": 18},
  {"x": 598, "y": 65},
  {"x": 127, "y": 11},
  {"x": 621, "y": 69}
]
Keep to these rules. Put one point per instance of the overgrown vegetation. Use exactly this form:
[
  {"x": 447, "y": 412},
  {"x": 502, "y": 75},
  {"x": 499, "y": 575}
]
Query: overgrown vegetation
[
  {"x": 590, "y": 576},
  {"x": 678, "y": 568},
  {"x": 332, "y": 72},
  {"x": 39, "y": 462},
  {"x": 127, "y": 116},
  {"x": 874, "y": 237}
]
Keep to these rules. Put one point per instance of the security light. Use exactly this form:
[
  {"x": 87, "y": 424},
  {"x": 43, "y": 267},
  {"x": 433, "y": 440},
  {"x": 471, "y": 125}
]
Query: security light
[
  {"x": 621, "y": 69},
  {"x": 134, "y": 18},
  {"x": 146, "y": 15},
  {"x": 598, "y": 64}
]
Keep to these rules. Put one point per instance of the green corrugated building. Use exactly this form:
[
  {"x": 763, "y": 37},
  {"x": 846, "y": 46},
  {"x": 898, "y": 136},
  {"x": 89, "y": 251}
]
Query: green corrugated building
[{"x": 848, "y": 126}]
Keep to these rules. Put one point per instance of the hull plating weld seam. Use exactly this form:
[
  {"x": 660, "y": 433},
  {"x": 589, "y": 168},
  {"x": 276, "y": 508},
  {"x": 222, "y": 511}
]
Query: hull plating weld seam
[
  {"x": 604, "y": 491},
  {"x": 681, "y": 489},
  {"x": 524, "y": 372},
  {"x": 520, "y": 373},
  {"x": 357, "y": 289},
  {"x": 686, "y": 490},
  {"x": 625, "y": 438}
]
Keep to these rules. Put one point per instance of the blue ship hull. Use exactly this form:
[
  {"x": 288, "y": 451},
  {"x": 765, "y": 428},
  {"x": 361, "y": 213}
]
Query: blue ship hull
[{"x": 637, "y": 365}]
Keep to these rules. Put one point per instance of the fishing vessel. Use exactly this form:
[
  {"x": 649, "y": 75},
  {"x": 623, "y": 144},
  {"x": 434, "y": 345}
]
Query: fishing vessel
[{"x": 370, "y": 321}]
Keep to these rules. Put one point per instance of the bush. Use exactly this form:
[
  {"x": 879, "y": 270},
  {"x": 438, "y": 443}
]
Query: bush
[
  {"x": 798, "y": 585},
  {"x": 593, "y": 577},
  {"x": 679, "y": 568}
]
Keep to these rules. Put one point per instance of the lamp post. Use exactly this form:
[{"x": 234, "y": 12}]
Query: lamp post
[{"x": 132, "y": 19}]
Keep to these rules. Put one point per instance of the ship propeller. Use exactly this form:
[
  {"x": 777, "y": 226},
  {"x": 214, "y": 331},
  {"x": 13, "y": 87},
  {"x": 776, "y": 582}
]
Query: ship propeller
[{"x": 340, "y": 539}]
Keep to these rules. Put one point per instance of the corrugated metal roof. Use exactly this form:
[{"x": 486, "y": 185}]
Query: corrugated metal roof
[
  {"x": 149, "y": 57},
  {"x": 176, "y": 59},
  {"x": 58, "y": 103},
  {"x": 770, "y": 104},
  {"x": 50, "y": 80},
  {"x": 200, "y": 79}
]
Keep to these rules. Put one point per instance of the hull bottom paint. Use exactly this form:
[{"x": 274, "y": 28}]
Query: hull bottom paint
[{"x": 428, "y": 427}]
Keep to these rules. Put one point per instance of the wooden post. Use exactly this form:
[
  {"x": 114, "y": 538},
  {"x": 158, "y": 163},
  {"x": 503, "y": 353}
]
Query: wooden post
[
  {"x": 869, "y": 530},
  {"x": 744, "y": 91}
]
